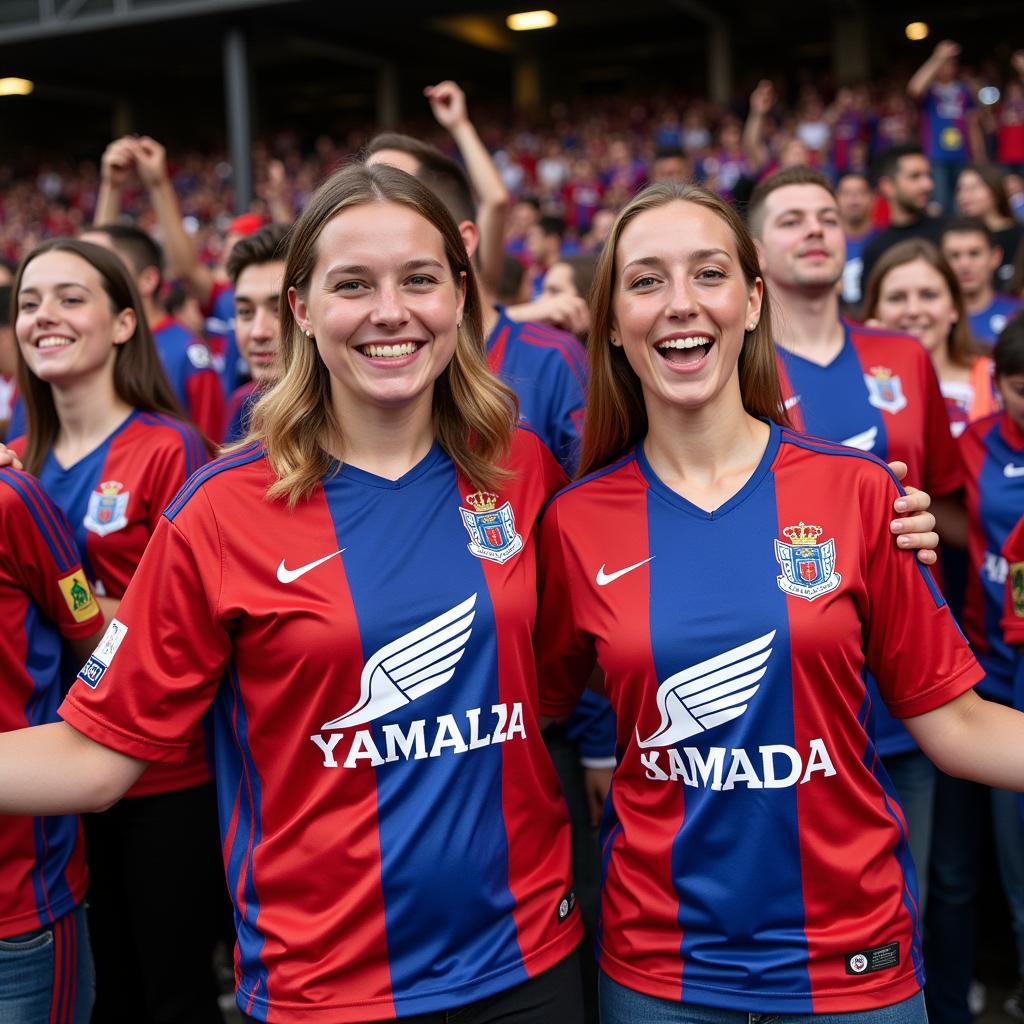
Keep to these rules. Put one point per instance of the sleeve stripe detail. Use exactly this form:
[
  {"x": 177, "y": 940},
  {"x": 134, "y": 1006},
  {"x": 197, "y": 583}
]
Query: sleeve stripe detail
[
  {"x": 564, "y": 347},
  {"x": 195, "y": 453},
  {"x": 50, "y": 520},
  {"x": 250, "y": 453}
]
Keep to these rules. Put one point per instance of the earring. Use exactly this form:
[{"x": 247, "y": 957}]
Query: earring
[
  {"x": 458, "y": 325},
  {"x": 751, "y": 326},
  {"x": 309, "y": 334}
]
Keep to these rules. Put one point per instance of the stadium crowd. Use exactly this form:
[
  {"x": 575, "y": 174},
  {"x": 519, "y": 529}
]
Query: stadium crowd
[{"x": 831, "y": 284}]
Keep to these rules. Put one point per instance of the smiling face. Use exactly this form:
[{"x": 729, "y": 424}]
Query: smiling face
[
  {"x": 914, "y": 298},
  {"x": 382, "y": 305},
  {"x": 681, "y": 304},
  {"x": 66, "y": 328},
  {"x": 257, "y": 319},
  {"x": 801, "y": 239}
]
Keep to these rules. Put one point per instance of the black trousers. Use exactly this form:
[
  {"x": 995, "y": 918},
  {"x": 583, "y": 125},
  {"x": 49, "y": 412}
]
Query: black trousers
[
  {"x": 551, "y": 998},
  {"x": 156, "y": 900}
]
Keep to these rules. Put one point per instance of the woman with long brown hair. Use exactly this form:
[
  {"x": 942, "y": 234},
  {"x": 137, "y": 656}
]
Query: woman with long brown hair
[
  {"x": 913, "y": 289},
  {"x": 353, "y": 591},
  {"x": 734, "y": 582},
  {"x": 109, "y": 444}
]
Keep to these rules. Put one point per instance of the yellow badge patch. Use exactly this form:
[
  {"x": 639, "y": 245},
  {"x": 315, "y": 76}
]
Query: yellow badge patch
[
  {"x": 78, "y": 595},
  {"x": 1017, "y": 588}
]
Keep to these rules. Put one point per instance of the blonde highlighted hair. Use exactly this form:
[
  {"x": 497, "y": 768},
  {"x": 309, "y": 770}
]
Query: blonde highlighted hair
[
  {"x": 616, "y": 417},
  {"x": 474, "y": 413}
]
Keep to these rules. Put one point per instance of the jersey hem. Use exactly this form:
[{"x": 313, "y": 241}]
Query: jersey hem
[
  {"x": 892, "y": 992},
  {"x": 85, "y": 721},
  {"x": 31, "y": 920},
  {"x": 950, "y": 688},
  {"x": 431, "y": 1002}
]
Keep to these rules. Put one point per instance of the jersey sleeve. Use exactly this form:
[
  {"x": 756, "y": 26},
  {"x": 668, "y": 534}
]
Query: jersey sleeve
[
  {"x": 944, "y": 468},
  {"x": 39, "y": 552},
  {"x": 172, "y": 464},
  {"x": 158, "y": 666},
  {"x": 913, "y": 647},
  {"x": 565, "y": 653},
  {"x": 568, "y": 401},
  {"x": 591, "y": 727},
  {"x": 1012, "y": 622},
  {"x": 205, "y": 400}
]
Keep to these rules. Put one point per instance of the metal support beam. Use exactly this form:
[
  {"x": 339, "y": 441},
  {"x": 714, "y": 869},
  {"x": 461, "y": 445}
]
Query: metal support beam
[
  {"x": 238, "y": 109},
  {"x": 719, "y": 80},
  {"x": 387, "y": 96}
]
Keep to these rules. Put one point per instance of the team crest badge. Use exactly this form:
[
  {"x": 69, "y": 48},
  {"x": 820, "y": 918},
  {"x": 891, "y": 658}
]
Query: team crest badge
[
  {"x": 1017, "y": 588},
  {"x": 492, "y": 531},
  {"x": 885, "y": 389},
  {"x": 808, "y": 568},
  {"x": 108, "y": 506}
]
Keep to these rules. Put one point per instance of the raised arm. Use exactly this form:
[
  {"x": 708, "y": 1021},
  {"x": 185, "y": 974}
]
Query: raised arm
[
  {"x": 925, "y": 74},
  {"x": 448, "y": 103},
  {"x": 151, "y": 162},
  {"x": 55, "y": 769},
  {"x": 115, "y": 165},
  {"x": 274, "y": 191},
  {"x": 754, "y": 145}
]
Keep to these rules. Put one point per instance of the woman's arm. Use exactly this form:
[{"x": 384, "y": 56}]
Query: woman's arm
[
  {"x": 973, "y": 738},
  {"x": 55, "y": 769}
]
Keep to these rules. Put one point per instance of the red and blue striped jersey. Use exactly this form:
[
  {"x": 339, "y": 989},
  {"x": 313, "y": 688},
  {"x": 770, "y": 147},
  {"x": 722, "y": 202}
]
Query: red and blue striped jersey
[
  {"x": 881, "y": 395},
  {"x": 547, "y": 369},
  {"x": 45, "y": 596},
  {"x": 755, "y": 852},
  {"x": 1013, "y": 611},
  {"x": 220, "y": 334},
  {"x": 988, "y": 323},
  {"x": 993, "y": 452},
  {"x": 114, "y": 498},
  {"x": 393, "y": 831},
  {"x": 189, "y": 368},
  {"x": 239, "y": 409}
]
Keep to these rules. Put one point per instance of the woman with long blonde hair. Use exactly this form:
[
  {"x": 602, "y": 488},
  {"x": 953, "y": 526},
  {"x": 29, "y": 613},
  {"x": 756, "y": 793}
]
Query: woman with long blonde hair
[
  {"x": 353, "y": 591},
  {"x": 734, "y": 581}
]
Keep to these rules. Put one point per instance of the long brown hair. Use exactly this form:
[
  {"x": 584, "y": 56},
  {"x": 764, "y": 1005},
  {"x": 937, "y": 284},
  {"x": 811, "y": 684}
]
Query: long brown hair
[
  {"x": 474, "y": 413},
  {"x": 960, "y": 345},
  {"x": 616, "y": 417},
  {"x": 139, "y": 378}
]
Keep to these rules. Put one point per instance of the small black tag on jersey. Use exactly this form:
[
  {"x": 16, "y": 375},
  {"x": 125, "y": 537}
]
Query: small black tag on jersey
[
  {"x": 867, "y": 961},
  {"x": 566, "y": 905}
]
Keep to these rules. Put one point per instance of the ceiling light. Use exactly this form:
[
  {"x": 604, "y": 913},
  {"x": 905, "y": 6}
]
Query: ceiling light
[
  {"x": 15, "y": 86},
  {"x": 528, "y": 20},
  {"x": 916, "y": 31}
]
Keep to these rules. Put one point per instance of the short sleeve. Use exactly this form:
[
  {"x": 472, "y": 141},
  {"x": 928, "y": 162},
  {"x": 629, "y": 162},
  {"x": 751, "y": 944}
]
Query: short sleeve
[
  {"x": 569, "y": 399},
  {"x": 913, "y": 647},
  {"x": 170, "y": 467},
  {"x": 565, "y": 654},
  {"x": 159, "y": 664},
  {"x": 39, "y": 552}
]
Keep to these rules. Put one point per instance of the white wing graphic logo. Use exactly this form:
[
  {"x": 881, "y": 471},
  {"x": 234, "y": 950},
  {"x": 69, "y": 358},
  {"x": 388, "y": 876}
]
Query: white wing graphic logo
[
  {"x": 864, "y": 441},
  {"x": 414, "y": 664},
  {"x": 709, "y": 693}
]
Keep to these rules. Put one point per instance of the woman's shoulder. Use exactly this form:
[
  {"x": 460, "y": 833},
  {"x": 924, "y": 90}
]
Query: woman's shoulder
[
  {"x": 228, "y": 481},
  {"x": 594, "y": 486},
  {"x": 829, "y": 464}
]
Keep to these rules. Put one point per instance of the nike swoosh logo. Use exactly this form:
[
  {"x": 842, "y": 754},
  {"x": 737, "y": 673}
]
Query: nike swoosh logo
[
  {"x": 790, "y": 402},
  {"x": 1011, "y": 470},
  {"x": 291, "y": 575},
  {"x": 603, "y": 578}
]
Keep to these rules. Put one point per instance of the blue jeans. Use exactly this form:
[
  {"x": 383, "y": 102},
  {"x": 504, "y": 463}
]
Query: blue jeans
[
  {"x": 621, "y": 1005},
  {"x": 913, "y": 775},
  {"x": 46, "y": 975},
  {"x": 951, "y": 918}
]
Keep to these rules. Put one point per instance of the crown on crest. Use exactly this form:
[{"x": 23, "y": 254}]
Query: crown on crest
[
  {"x": 881, "y": 372},
  {"x": 110, "y": 487},
  {"x": 802, "y": 533},
  {"x": 482, "y": 501}
]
